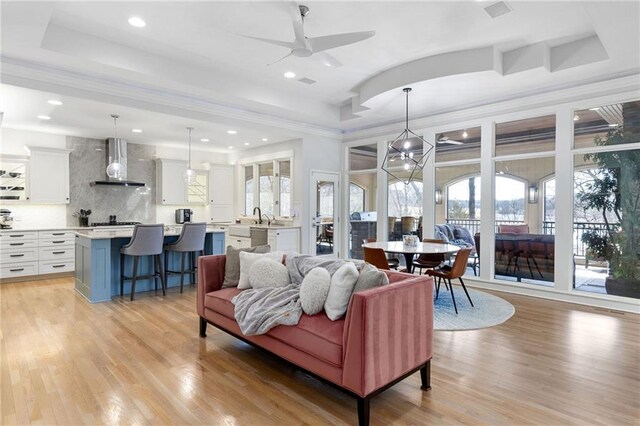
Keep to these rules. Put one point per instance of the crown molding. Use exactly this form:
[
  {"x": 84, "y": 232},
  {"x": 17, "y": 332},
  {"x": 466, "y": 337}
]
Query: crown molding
[{"x": 41, "y": 76}]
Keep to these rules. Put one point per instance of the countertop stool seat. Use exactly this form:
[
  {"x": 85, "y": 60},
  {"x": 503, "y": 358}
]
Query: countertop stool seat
[
  {"x": 147, "y": 240},
  {"x": 190, "y": 242}
]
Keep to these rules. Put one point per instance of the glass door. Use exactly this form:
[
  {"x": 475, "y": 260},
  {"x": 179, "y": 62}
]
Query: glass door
[{"x": 325, "y": 208}]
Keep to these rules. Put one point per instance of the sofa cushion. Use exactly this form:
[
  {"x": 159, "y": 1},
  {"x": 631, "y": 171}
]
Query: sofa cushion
[
  {"x": 316, "y": 335},
  {"x": 248, "y": 259},
  {"x": 314, "y": 290},
  {"x": 342, "y": 283},
  {"x": 462, "y": 233},
  {"x": 370, "y": 277},
  {"x": 268, "y": 273},
  {"x": 220, "y": 301},
  {"x": 232, "y": 263}
]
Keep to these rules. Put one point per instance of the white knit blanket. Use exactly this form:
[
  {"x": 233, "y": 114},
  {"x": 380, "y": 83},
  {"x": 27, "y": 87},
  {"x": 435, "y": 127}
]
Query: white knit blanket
[{"x": 259, "y": 310}]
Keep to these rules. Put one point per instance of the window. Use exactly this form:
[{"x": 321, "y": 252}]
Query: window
[
  {"x": 536, "y": 134},
  {"x": 248, "y": 190},
  {"x": 273, "y": 190},
  {"x": 325, "y": 199},
  {"x": 356, "y": 198},
  {"x": 462, "y": 144},
  {"x": 463, "y": 199},
  {"x": 510, "y": 199},
  {"x": 285, "y": 188},
  {"x": 405, "y": 200}
]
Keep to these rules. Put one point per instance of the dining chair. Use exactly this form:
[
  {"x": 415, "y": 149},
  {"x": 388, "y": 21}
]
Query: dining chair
[
  {"x": 376, "y": 257},
  {"x": 457, "y": 271},
  {"x": 391, "y": 261},
  {"x": 430, "y": 260}
]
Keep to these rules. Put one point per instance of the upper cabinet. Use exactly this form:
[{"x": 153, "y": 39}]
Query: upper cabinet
[
  {"x": 48, "y": 175},
  {"x": 221, "y": 193},
  {"x": 172, "y": 188},
  {"x": 13, "y": 179}
]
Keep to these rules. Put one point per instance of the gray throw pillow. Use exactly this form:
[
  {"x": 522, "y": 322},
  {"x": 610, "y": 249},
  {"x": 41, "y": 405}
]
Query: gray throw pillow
[
  {"x": 370, "y": 277},
  {"x": 232, "y": 263},
  {"x": 314, "y": 290}
]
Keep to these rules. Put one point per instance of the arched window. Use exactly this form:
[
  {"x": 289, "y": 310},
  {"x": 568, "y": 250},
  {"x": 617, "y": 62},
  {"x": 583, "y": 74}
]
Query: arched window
[
  {"x": 356, "y": 198},
  {"x": 463, "y": 198}
]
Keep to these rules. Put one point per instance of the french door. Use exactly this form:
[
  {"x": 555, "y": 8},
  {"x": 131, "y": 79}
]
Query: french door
[{"x": 325, "y": 208}]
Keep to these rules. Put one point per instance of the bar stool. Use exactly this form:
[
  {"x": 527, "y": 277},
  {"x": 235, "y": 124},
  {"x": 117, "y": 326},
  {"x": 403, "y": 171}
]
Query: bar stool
[
  {"x": 191, "y": 240},
  {"x": 147, "y": 240}
]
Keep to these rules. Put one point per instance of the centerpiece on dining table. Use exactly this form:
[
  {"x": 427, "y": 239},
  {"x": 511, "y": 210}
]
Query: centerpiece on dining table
[{"x": 410, "y": 240}]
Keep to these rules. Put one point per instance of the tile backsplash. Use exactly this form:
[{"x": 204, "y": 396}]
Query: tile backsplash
[
  {"x": 38, "y": 216},
  {"x": 87, "y": 163}
]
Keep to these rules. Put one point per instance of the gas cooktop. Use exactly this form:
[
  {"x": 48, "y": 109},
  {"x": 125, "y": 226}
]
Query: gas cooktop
[{"x": 114, "y": 223}]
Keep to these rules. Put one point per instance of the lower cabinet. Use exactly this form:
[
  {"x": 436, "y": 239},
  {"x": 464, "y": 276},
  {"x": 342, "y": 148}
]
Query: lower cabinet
[
  {"x": 284, "y": 239},
  {"x": 239, "y": 242},
  {"x": 29, "y": 253}
]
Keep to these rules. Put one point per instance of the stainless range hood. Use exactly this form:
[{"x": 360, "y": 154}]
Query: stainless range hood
[{"x": 117, "y": 150}]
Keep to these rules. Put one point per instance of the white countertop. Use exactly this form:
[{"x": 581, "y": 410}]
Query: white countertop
[{"x": 109, "y": 232}]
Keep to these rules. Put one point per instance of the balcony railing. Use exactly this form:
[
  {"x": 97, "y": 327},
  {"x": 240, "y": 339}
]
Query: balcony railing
[{"x": 548, "y": 227}]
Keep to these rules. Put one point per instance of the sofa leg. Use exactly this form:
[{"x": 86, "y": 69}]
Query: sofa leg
[
  {"x": 363, "y": 411},
  {"x": 203, "y": 327},
  {"x": 425, "y": 376}
]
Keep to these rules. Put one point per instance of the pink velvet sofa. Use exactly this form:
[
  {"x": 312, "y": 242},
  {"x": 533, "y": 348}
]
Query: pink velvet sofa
[{"x": 386, "y": 336}]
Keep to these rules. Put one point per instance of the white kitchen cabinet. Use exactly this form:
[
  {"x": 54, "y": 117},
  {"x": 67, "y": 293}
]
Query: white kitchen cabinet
[
  {"x": 239, "y": 242},
  {"x": 284, "y": 239},
  {"x": 49, "y": 175},
  {"x": 221, "y": 193},
  {"x": 172, "y": 188}
]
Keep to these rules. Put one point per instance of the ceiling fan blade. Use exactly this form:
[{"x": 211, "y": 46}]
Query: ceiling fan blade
[
  {"x": 286, "y": 44},
  {"x": 318, "y": 44},
  {"x": 284, "y": 57},
  {"x": 450, "y": 142},
  {"x": 298, "y": 25},
  {"x": 328, "y": 60}
]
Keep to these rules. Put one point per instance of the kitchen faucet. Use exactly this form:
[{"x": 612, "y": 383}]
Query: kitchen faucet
[{"x": 259, "y": 214}]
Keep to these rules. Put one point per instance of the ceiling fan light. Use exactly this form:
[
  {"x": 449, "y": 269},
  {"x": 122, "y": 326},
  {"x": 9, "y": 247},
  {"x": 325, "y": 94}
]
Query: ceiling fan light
[{"x": 465, "y": 134}]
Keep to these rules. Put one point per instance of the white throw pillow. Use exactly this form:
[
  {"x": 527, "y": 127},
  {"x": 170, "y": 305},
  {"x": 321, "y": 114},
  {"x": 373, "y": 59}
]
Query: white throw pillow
[
  {"x": 342, "y": 283},
  {"x": 268, "y": 273},
  {"x": 248, "y": 259},
  {"x": 314, "y": 290}
]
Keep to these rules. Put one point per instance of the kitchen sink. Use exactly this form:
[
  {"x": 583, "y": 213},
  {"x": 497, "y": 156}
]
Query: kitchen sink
[{"x": 240, "y": 230}]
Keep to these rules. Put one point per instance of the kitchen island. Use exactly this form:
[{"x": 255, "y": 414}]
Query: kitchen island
[{"x": 97, "y": 262}]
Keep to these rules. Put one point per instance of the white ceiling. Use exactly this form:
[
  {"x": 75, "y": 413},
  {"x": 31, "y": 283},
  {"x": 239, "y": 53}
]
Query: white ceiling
[{"x": 192, "y": 51}]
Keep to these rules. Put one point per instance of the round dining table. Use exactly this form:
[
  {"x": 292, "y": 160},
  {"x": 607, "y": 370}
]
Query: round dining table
[{"x": 398, "y": 247}]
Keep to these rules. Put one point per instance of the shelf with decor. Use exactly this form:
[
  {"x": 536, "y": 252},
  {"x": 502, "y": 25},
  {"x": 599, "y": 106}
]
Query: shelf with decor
[{"x": 13, "y": 179}]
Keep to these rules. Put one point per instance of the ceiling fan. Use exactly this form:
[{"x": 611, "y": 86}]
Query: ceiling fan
[
  {"x": 304, "y": 46},
  {"x": 445, "y": 140}
]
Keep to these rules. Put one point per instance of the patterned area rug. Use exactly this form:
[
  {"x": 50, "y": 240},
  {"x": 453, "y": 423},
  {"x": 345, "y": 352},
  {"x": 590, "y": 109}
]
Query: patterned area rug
[{"x": 488, "y": 310}]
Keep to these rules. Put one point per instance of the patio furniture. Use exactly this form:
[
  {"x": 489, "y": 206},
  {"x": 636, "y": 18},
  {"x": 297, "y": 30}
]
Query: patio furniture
[
  {"x": 513, "y": 229},
  {"x": 408, "y": 225}
]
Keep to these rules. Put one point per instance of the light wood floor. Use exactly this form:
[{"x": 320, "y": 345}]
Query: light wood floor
[{"x": 65, "y": 361}]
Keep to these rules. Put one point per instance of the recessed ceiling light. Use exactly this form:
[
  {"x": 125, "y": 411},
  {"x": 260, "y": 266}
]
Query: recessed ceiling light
[
  {"x": 265, "y": 140},
  {"x": 289, "y": 74},
  {"x": 247, "y": 144},
  {"x": 136, "y": 130},
  {"x": 465, "y": 134},
  {"x": 613, "y": 125},
  {"x": 137, "y": 22},
  {"x": 232, "y": 132},
  {"x": 204, "y": 140},
  {"x": 230, "y": 147},
  {"x": 44, "y": 117},
  {"x": 54, "y": 102}
]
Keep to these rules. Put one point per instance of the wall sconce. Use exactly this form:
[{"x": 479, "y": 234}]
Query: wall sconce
[
  {"x": 438, "y": 195},
  {"x": 533, "y": 194}
]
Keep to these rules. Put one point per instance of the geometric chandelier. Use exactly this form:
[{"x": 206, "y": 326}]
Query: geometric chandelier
[{"x": 408, "y": 153}]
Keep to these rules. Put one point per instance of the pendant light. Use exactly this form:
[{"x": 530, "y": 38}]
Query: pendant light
[
  {"x": 408, "y": 153},
  {"x": 114, "y": 168},
  {"x": 189, "y": 174}
]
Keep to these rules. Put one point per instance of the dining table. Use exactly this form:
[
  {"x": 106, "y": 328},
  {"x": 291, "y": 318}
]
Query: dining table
[{"x": 409, "y": 252}]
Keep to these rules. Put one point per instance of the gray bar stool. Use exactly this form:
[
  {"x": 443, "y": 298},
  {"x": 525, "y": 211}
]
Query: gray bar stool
[
  {"x": 147, "y": 240},
  {"x": 190, "y": 242}
]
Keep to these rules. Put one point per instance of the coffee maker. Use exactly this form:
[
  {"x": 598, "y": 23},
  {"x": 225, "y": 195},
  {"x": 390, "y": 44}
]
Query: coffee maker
[
  {"x": 183, "y": 215},
  {"x": 5, "y": 219}
]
